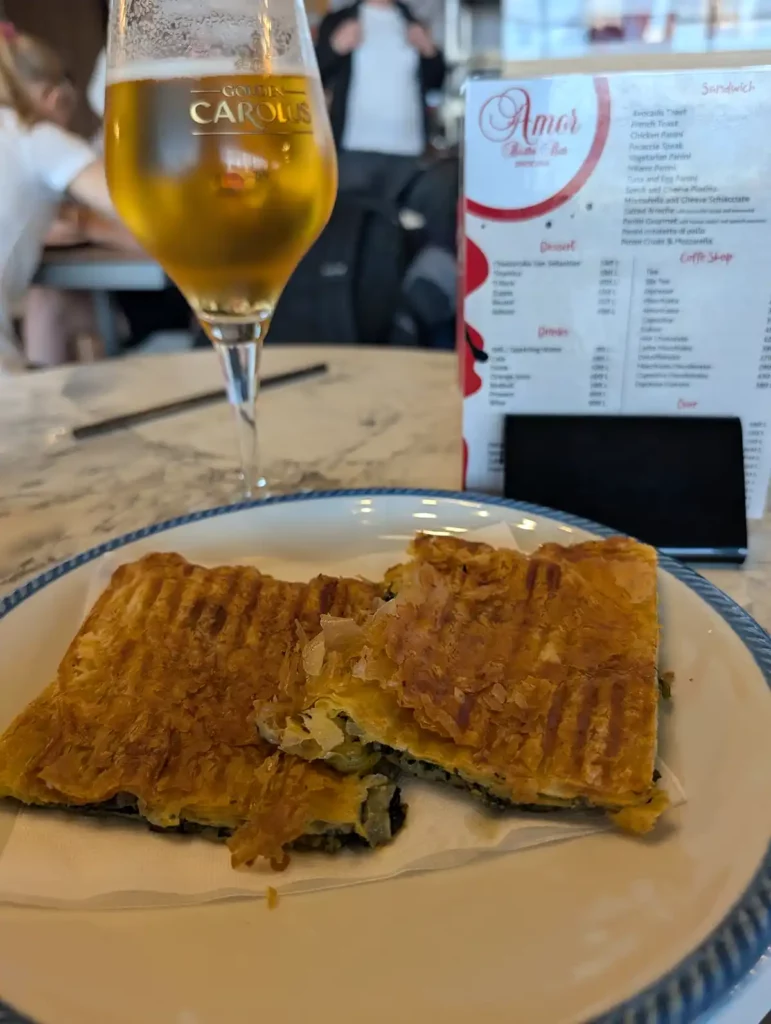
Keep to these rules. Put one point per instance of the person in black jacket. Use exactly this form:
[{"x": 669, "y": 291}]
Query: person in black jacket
[{"x": 377, "y": 62}]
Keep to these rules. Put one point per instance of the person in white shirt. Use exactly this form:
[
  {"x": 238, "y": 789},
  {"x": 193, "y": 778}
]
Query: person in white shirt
[
  {"x": 378, "y": 63},
  {"x": 97, "y": 97},
  {"x": 41, "y": 163}
]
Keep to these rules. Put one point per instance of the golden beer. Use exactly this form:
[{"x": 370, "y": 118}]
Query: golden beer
[{"x": 226, "y": 180}]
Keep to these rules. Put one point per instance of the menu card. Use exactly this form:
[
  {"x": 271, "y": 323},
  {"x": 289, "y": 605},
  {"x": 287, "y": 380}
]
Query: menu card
[{"x": 617, "y": 254}]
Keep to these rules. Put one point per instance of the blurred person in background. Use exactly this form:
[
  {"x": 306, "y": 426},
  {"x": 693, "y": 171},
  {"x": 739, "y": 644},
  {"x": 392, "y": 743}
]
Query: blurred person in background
[
  {"x": 97, "y": 87},
  {"x": 42, "y": 164},
  {"x": 377, "y": 63}
]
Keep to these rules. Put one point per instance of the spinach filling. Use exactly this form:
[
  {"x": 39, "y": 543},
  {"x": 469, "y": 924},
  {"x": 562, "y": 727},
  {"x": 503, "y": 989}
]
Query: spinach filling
[
  {"x": 431, "y": 772},
  {"x": 382, "y": 816}
]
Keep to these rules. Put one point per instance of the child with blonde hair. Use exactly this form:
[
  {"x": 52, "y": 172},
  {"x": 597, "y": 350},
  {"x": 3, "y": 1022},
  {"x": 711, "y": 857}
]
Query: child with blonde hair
[{"x": 41, "y": 164}]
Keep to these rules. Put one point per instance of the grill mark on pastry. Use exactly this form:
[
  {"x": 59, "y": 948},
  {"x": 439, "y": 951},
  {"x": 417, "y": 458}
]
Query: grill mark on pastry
[
  {"x": 342, "y": 604},
  {"x": 327, "y": 596},
  {"x": 554, "y": 720},
  {"x": 528, "y": 624},
  {"x": 349, "y": 597},
  {"x": 591, "y": 695},
  {"x": 265, "y": 618},
  {"x": 451, "y": 615},
  {"x": 146, "y": 663},
  {"x": 309, "y": 615},
  {"x": 464, "y": 712},
  {"x": 172, "y": 629},
  {"x": 218, "y": 620},
  {"x": 299, "y": 613},
  {"x": 195, "y": 612},
  {"x": 235, "y": 608},
  {"x": 454, "y": 620},
  {"x": 531, "y": 577},
  {"x": 441, "y": 636},
  {"x": 287, "y": 623},
  {"x": 175, "y": 597},
  {"x": 553, "y": 577},
  {"x": 284, "y": 635},
  {"x": 247, "y": 614},
  {"x": 219, "y": 612},
  {"x": 265, "y": 628},
  {"x": 127, "y": 649},
  {"x": 615, "y": 726},
  {"x": 152, "y": 591}
]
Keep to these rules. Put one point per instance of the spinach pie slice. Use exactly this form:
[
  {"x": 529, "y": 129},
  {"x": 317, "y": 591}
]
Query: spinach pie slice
[
  {"x": 149, "y": 714},
  {"x": 528, "y": 680}
]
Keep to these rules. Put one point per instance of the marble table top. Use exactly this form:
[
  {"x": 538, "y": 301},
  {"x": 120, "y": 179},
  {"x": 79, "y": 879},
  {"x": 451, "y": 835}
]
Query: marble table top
[{"x": 378, "y": 418}]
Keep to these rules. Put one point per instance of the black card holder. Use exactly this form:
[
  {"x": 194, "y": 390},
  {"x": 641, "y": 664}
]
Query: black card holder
[{"x": 676, "y": 482}]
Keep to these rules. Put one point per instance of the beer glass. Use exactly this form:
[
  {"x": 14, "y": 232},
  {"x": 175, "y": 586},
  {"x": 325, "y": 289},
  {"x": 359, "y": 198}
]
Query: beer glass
[{"x": 221, "y": 162}]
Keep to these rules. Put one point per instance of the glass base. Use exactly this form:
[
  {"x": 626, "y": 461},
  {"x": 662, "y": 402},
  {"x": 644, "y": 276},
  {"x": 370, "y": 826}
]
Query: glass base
[
  {"x": 234, "y": 331},
  {"x": 255, "y": 489},
  {"x": 259, "y": 489}
]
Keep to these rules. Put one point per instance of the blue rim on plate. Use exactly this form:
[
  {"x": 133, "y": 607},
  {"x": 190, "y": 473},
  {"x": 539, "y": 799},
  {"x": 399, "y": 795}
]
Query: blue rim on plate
[{"x": 703, "y": 978}]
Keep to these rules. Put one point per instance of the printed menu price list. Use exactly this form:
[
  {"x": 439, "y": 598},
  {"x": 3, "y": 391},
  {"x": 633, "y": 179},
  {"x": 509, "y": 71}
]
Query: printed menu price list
[
  {"x": 754, "y": 437},
  {"x": 620, "y": 232},
  {"x": 607, "y": 293},
  {"x": 648, "y": 336},
  {"x": 599, "y": 378},
  {"x": 763, "y": 379}
]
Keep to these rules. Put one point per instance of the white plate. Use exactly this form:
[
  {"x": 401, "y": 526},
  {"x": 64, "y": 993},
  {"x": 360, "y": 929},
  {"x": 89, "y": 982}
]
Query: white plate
[{"x": 559, "y": 934}]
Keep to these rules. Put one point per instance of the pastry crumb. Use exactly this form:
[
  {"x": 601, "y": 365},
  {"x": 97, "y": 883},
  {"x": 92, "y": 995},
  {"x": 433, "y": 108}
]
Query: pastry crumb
[{"x": 272, "y": 897}]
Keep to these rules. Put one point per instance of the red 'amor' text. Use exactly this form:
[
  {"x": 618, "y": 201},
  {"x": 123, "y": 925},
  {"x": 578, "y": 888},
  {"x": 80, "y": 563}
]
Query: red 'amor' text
[{"x": 510, "y": 115}]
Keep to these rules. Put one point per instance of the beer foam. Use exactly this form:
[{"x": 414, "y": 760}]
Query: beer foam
[{"x": 194, "y": 67}]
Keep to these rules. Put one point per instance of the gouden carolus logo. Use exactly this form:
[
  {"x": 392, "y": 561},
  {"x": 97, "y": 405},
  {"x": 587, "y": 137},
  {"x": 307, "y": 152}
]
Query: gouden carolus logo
[{"x": 261, "y": 108}]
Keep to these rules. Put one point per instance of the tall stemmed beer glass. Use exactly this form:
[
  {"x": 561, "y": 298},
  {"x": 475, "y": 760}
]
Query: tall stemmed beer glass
[{"x": 221, "y": 162}]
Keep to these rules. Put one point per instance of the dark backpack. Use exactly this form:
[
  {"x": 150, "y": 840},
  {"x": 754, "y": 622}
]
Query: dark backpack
[{"x": 347, "y": 289}]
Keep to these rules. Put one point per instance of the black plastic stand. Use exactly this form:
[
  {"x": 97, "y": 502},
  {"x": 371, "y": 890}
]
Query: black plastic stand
[{"x": 676, "y": 482}]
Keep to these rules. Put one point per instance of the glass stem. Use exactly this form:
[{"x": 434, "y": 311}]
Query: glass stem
[{"x": 239, "y": 347}]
